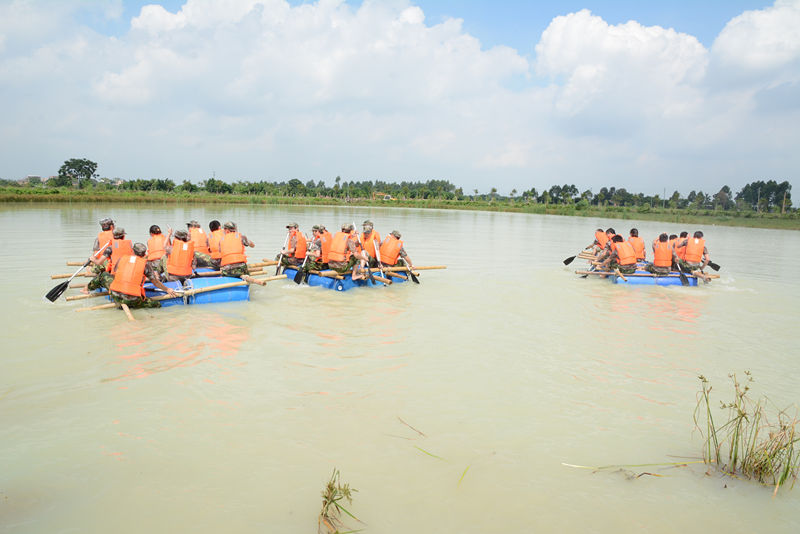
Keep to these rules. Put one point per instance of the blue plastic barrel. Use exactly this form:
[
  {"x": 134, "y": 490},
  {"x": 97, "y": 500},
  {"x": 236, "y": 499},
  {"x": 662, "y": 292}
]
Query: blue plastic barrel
[
  {"x": 151, "y": 291},
  {"x": 228, "y": 294}
]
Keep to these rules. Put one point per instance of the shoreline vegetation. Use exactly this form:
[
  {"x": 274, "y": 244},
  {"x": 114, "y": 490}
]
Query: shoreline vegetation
[{"x": 731, "y": 217}]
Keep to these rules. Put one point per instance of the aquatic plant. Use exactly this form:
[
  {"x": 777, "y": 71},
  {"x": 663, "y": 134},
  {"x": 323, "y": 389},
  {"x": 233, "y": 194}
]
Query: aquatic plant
[
  {"x": 330, "y": 521},
  {"x": 748, "y": 442}
]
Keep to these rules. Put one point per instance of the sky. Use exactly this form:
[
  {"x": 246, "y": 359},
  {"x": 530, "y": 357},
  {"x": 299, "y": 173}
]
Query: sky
[{"x": 650, "y": 96}]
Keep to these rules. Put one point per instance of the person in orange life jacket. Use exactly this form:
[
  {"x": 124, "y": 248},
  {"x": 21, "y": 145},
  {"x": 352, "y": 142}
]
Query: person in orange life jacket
[
  {"x": 600, "y": 240},
  {"x": 696, "y": 255},
  {"x": 314, "y": 252},
  {"x": 216, "y": 233},
  {"x": 393, "y": 252},
  {"x": 157, "y": 247},
  {"x": 681, "y": 251},
  {"x": 202, "y": 252},
  {"x": 104, "y": 262},
  {"x": 608, "y": 248},
  {"x": 345, "y": 253},
  {"x": 106, "y": 235},
  {"x": 664, "y": 256},
  {"x": 638, "y": 244},
  {"x": 295, "y": 252},
  {"x": 325, "y": 238},
  {"x": 623, "y": 257},
  {"x": 370, "y": 239},
  {"x": 672, "y": 240},
  {"x": 179, "y": 262},
  {"x": 234, "y": 261},
  {"x": 130, "y": 273}
]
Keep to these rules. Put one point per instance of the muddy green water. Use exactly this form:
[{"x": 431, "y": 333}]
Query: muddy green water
[{"x": 231, "y": 417}]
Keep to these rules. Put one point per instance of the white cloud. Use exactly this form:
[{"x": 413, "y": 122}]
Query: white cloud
[{"x": 258, "y": 89}]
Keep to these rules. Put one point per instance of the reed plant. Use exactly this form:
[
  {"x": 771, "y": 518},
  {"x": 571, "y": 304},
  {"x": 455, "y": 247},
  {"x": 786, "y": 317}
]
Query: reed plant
[
  {"x": 330, "y": 517},
  {"x": 746, "y": 440}
]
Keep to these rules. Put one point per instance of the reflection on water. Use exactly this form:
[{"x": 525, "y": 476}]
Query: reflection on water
[{"x": 506, "y": 372}]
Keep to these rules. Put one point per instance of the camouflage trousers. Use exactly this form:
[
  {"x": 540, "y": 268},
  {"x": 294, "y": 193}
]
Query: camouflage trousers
[
  {"x": 287, "y": 261},
  {"x": 102, "y": 280},
  {"x": 203, "y": 260},
  {"x": 624, "y": 269},
  {"x": 343, "y": 267},
  {"x": 689, "y": 267},
  {"x": 134, "y": 302},
  {"x": 235, "y": 270},
  {"x": 650, "y": 268}
]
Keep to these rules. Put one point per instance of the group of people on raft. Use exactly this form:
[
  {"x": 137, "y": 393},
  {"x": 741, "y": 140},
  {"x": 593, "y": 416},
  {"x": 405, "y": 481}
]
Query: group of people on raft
[
  {"x": 670, "y": 253},
  {"x": 122, "y": 267}
]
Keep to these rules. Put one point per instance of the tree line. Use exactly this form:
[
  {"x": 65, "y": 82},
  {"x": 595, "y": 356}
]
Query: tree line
[{"x": 759, "y": 195}]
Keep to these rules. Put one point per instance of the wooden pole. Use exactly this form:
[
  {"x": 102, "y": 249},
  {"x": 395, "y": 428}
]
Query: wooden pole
[
  {"x": 89, "y": 296},
  {"x": 127, "y": 312},
  {"x": 58, "y": 276},
  {"x": 99, "y": 307}
]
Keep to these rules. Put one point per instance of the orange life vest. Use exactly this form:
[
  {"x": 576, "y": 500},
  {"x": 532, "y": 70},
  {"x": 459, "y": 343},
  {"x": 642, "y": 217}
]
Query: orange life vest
[
  {"x": 681, "y": 251},
  {"x": 232, "y": 249},
  {"x": 369, "y": 242},
  {"x": 339, "y": 249},
  {"x": 129, "y": 277},
  {"x": 390, "y": 250},
  {"x": 214, "y": 243},
  {"x": 301, "y": 246},
  {"x": 156, "y": 247},
  {"x": 601, "y": 238},
  {"x": 106, "y": 236},
  {"x": 672, "y": 243},
  {"x": 625, "y": 253},
  {"x": 694, "y": 249},
  {"x": 662, "y": 254},
  {"x": 199, "y": 238},
  {"x": 119, "y": 248},
  {"x": 325, "y": 238},
  {"x": 179, "y": 262},
  {"x": 638, "y": 247}
]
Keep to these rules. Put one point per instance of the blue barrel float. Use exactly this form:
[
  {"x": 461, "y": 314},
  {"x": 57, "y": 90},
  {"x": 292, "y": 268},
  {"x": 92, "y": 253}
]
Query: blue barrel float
[
  {"x": 151, "y": 291},
  {"x": 329, "y": 282},
  {"x": 652, "y": 280},
  {"x": 228, "y": 294}
]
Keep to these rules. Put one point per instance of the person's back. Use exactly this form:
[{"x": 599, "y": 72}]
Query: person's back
[{"x": 638, "y": 244}]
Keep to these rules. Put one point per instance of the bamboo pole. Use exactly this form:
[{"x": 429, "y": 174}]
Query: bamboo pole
[
  {"x": 59, "y": 276},
  {"x": 649, "y": 275},
  {"x": 78, "y": 285},
  {"x": 127, "y": 312},
  {"x": 379, "y": 278},
  {"x": 89, "y": 296},
  {"x": 397, "y": 275},
  {"x": 98, "y": 307},
  {"x": 252, "y": 280}
]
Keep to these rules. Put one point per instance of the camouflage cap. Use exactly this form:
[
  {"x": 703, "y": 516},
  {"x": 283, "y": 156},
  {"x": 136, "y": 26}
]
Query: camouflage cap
[
  {"x": 193, "y": 224},
  {"x": 119, "y": 233},
  {"x": 106, "y": 222},
  {"x": 292, "y": 225},
  {"x": 182, "y": 235},
  {"x": 322, "y": 228},
  {"x": 229, "y": 225},
  {"x": 140, "y": 249},
  {"x": 396, "y": 234},
  {"x": 315, "y": 227},
  {"x": 347, "y": 227},
  {"x": 368, "y": 224}
]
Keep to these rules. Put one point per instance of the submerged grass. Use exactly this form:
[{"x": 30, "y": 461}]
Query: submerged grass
[
  {"x": 749, "y": 442},
  {"x": 330, "y": 517}
]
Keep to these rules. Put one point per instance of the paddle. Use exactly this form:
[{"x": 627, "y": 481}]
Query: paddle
[
  {"x": 299, "y": 276},
  {"x": 378, "y": 257},
  {"x": 413, "y": 276},
  {"x": 569, "y": 260},
  {"x": 369, "y": 271},
  {"x": 280, "y": 256},
  {"x": 682, "y": 275},
  {"x": 57, "y": 291},
  {"x": 713, "y": 265}
]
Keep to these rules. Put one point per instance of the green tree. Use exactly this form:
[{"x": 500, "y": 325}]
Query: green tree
[{"x": 76, "y": 172}]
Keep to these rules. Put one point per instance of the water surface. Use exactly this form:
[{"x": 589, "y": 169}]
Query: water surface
[{"x": 231, "y": 417}]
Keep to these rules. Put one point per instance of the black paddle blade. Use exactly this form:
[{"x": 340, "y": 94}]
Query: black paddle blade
[
  {"x": 684, "y": 280},
  {"x": 298, "y": 277},
  {"x": 57, "y": 291},
  {"x": 569, "y": 260},
  {"x": 714, "y": 266},
  {"x": 413, "y": 277}
]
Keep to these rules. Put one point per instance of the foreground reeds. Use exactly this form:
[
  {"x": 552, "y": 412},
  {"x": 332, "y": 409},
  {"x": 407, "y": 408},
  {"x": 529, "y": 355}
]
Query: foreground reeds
[
  {"x": 748, "y": 442},
  {"x": 330, "y": 521}
]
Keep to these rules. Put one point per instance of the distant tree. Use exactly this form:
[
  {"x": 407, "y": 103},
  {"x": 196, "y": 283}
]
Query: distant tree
[
  {"x": 494, "y": 192},
  {"x": 75, "y": 172}
]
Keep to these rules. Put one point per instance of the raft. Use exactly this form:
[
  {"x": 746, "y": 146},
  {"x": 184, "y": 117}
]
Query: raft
[
  {"x": 329, "y": 282},
  {"x": 210, "y": 295},
  {"x": 648, "y": 279}
]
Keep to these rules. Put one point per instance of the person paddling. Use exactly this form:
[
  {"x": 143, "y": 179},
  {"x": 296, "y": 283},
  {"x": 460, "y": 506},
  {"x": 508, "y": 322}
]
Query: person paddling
[
  {"x": 295, "y": 252},
  {"x": 130, "y": 273},
  {"x": 157, "y": 247},
  {"x": 344, "y": 253},
  {"x": 623, "y": 257},
  {"x": 697, "y": 257},
  {"x": 202, "y": 252},
  {"x": 216, "y": 233},
  {"x": 106, "y": 235},
  {"x": 233, "y": 261},
  {"x": 663, "y": 256},
  {"x": 180, "y": 258},
  {"x": 393, "y": 252},
  {"x": 370, "y": 239},
  {"x": 638, "y": 245}
]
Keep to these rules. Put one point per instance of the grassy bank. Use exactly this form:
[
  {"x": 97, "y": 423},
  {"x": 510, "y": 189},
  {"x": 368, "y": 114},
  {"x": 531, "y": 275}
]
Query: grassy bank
[{"x": 790, "y": 221}]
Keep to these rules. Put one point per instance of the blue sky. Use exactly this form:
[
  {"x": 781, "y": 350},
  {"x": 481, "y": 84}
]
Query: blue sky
[{"x": 513, "y": 95}]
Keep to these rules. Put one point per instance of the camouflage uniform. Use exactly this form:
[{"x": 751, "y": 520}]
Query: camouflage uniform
[
  {"x": 235, "y": 269},
  {"x": 650, "y": 268},
  {"x": 201, "y": 259},
  {"x": 343, "y": 266},
  {"x": 132, "y": 301},
  {"x": 624, "y": 269}
]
